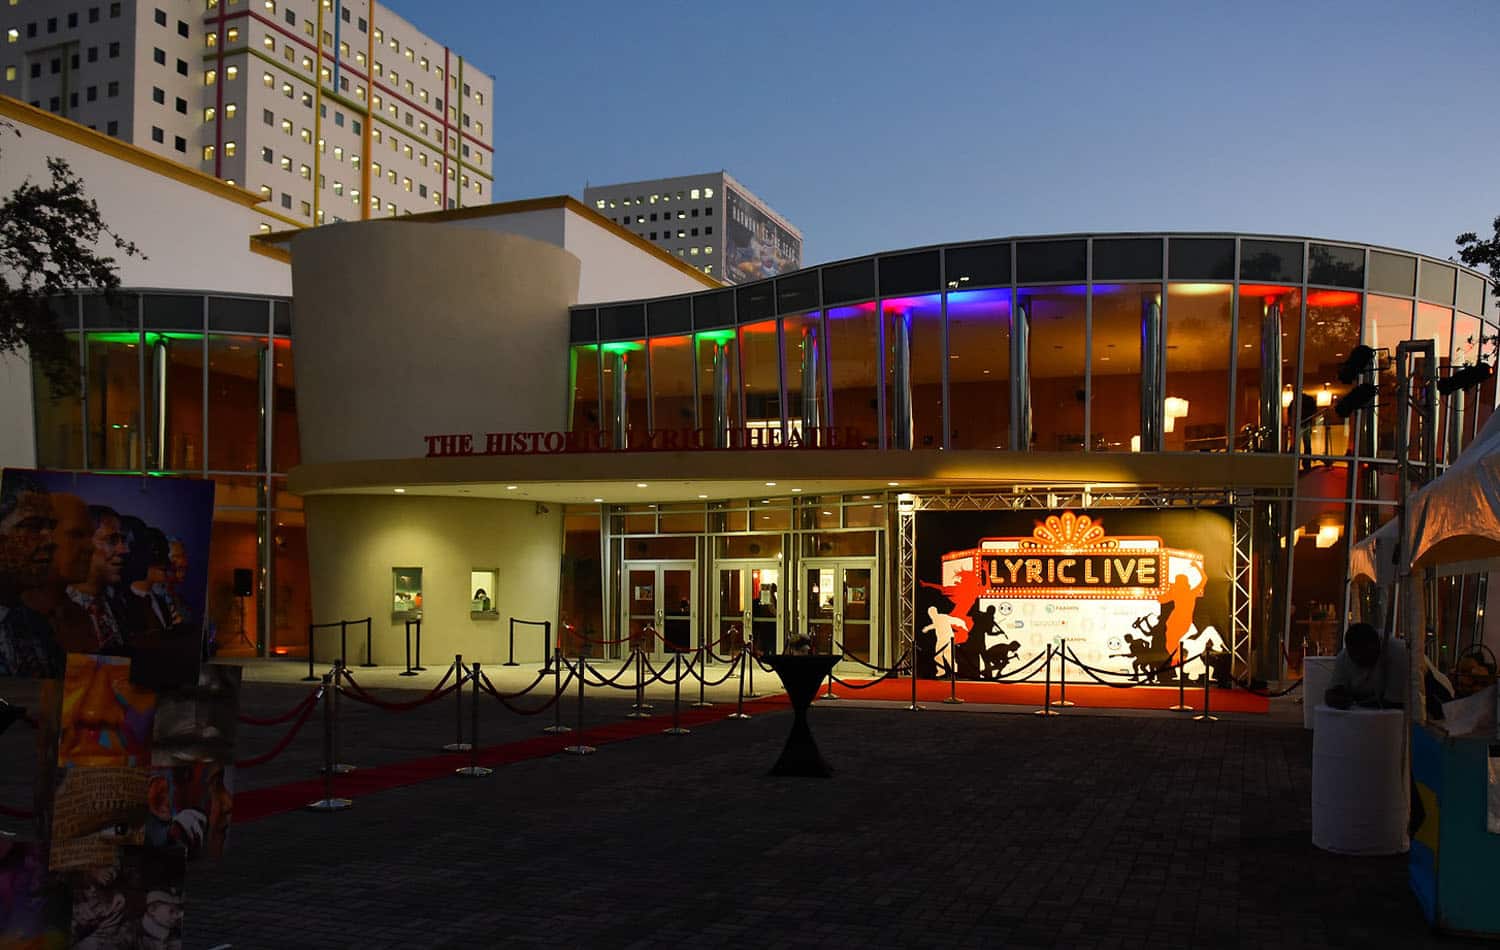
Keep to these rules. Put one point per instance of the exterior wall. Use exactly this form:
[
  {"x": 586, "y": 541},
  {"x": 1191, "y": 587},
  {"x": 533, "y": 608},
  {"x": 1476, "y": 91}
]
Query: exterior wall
[
  {"x": 355, "y": 540},
  {"x": 386, "y": 350},
  {"x": 614, "y": 269}
]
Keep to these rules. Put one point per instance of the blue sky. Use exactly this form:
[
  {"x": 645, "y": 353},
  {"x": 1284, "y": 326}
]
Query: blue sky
[{"x": 879, "y": 125}]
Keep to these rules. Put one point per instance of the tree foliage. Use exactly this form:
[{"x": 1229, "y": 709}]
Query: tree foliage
[
  {"x": 51, "y": 235},
  {"x": 1483, "y": 254}
]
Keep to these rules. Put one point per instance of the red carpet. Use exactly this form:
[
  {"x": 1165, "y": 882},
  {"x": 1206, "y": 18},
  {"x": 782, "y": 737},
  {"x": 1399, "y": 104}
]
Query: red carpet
[{"x": 264, "y": 802}]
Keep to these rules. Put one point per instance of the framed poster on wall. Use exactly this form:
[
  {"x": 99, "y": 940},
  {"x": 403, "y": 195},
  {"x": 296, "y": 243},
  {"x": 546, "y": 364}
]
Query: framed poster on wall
[
  {"x": 483, "y": 593},
  {"x": 406, "y": 587}
]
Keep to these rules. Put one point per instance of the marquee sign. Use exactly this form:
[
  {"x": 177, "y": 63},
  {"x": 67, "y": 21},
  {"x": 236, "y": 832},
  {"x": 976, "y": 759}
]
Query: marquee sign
[
  {"x": 638, "y": 440},
  {"x": 1128, "y": 604}
]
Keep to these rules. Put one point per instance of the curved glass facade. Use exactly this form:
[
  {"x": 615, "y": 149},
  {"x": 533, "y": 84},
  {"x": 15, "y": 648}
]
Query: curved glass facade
[
  {"x": 200, "y": 386},
  {"x": 1107, "y": 343}
]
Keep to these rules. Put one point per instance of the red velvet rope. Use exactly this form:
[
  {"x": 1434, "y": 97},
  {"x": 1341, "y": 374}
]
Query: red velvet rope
[
  {"x": 284, "y": 717},
  {"x": 286, "y": 740},
  {"x": 358, "y": 693}
]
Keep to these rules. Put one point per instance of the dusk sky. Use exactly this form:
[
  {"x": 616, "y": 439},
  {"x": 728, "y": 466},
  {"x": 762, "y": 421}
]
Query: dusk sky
[{"x": 874, "y": 126}]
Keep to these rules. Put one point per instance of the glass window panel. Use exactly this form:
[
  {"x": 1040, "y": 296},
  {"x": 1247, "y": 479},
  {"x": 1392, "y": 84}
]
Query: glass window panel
[
  {"x": 1468, "y": 345},
  {"x": 1333, "y": 318},
  {"x": 281, "y": 318},
  {"x": 978, "y": 265},
  {"x": 669, "y": 316},
  {"x": 853, "y": 368},
  {"x": 1201, "y": 258},
  {"x": 852, "y": 281},
  {"x": 839, "y": 543},
  {"x": 682, "y": 518},
  {"x": 183, "y": 353},
  {"x": 865, "y": 514},
  {"x": 713, "y": 310},
  {"x": 1271, "y": 260},
  {"x": 1470, "y": 293},
  {"x": 1387, "y": 323},
  {"x": 583, "y": 326},
  {"x": 760, "y": 365},
  {"x": 59, "y": 418},
  {"x": 1336, "y": 265},
  {"x": 622, "y": 323},
  {"x": 583, "y": 414},
  {"x": 910, "y": 273},
  {"x": 1319, "y": 559},
  {"x": 1258, "y": 304},
  {"x": 112, "y": 311},
  {"x": 236, "y": 438},
  {"x": 1435, "y": 282},
  {"x": 718, "y": 379},
  {"x": 286, "y": 449},
  {"x": 1057, "y": 317},
  {"x": 755, "y": 302},
  {"x": 749, "y": 545},
  {"x": 1127, "y": 258},
  {"x": 770, "y": 517},
  {"x": 1049, "y": 261},
  {"x": 1434, "y": 323},
  {"x": 1196, "y": 336},
  {"x": 291, "y": 599},
  {"x": 922, "y": 318},
  {"x": 1115, "y": 365},
  {"x": 1485, "y": 405},
  {"x": 580, "y": 607},
  {"x": 802, "y": 336},
  {"x": 238, "y": 314},
  {"x": 172, "y": 312},
  {"x": 672, "y": 382},
  {"x": 114, "y": 401},
  {"x": 234, "y": 544},
  {"x": 797, "y": 292},
  {"x": 979, "y": 368},
  {"x": 1393, "y": 274}
]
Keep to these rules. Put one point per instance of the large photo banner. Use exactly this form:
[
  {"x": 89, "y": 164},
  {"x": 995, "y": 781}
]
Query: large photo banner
[
  {"x": 105, "y": 565},
  {"x": 755, "y": 246},
  {"x": 1136, "y": 595}
]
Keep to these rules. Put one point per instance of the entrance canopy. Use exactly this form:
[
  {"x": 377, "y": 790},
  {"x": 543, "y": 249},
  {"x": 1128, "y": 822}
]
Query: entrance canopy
[{"x": 622, "y": 477}]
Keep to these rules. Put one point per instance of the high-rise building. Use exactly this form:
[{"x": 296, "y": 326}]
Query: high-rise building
[
  {"x": 331, "y": 110},
  {"x": 711, "y": 221}
]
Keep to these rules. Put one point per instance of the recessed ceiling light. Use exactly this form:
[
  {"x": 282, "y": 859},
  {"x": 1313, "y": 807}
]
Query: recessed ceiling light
[
  {"x": 765, "y": 501},
  {"x": 641, "y": 485},
  {"x": 893, "y": 484},
  {"x": 702, "y": 496},
  {"x": 770, "y": 484},
  {"x": 827, "y": 512},
  {"x": 511, "y": 487},
  {"x": 796, "y": 490},
  {"x": 400, "y": 491},
  {"x": 598, "y": 499}
]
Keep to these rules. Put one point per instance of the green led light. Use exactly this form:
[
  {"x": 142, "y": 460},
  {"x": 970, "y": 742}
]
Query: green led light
[
  {"x": 152, "y": 338},
  {"x": 715, "y": 336},
  {"x": 622, "y": 347}
]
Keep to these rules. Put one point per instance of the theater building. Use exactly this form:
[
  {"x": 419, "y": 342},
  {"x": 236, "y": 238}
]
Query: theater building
[{"x": 1000, "y": 444}]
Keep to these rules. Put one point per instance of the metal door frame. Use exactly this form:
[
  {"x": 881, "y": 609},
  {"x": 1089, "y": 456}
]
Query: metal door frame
[
  {"x": 657, "y": 567},
  {"x": 839, "y": 563},
  {"x": 743, "y": 565}
]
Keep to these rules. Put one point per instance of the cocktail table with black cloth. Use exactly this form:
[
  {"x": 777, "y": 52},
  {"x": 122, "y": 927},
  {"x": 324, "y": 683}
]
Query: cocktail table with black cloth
[{"x": 801, "y": 676}]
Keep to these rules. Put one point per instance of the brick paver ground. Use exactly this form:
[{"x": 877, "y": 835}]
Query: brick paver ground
[{"x": 967, "y": 827}]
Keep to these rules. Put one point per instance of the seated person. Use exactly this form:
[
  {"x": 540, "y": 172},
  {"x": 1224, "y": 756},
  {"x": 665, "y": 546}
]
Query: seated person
[{"x": 1368, "y": 671}]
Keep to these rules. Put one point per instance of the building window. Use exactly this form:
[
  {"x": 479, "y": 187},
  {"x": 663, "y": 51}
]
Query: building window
[
  {"x": 287, "y": 90},
  {"x": 10, "y": 74},
  {"x": 93, "y": 54},
  {"x": 268, "y": 80},
  {"x": 158, "y": 95},
  {"x": 286, "y": 201},
  {"x": 112, "y": 90},
  {"x": 305, "y": 171},
  {"x": 210, "y": 76},
  {"x": 114, "y": 10},
  {"x": 158, "y": 55},
  {"x": 338, "y": 188},
  {"x": 286, "y": 163},
  {"x": 180, "y": 143},
  {"x": 229, "y": 109},
  {"x": 286, "y": 126},
  {"x": 208, "y": 153},
  {"x": 182, "y": 29},
  {"x": 268, "y": 117},
  {"x": 230, "y": 148},
  {"x": 157, "y": 135},
  {"x": 182, "y": 107},
  {"x": 210, "y": 40},
  {"x": 708, "y": 230},
  {"x": 231, "y": 35},
  {"x": 113, "y": 128},
  {"x": 36, "y": 70},
  {"x": 269, "y": 42},
  {"x": 92, "y": 93},
  {"x": 266, "y": 155}
]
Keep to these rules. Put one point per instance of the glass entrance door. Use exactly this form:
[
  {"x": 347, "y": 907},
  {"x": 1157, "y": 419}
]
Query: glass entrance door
[
  {"x": 748, "y": 602},
  {"x": 659, "y": 596},
  {"x": 838, "y": 598}
]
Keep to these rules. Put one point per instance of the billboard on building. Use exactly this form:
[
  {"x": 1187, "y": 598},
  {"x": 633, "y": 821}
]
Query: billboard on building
[
  {"x": 755, "y": 246},
  {"x": 1132, "y": 594}
]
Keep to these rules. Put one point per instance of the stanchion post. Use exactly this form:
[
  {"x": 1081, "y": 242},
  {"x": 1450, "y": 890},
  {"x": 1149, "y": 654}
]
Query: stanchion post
[
  {"x": 343, "y": 640},
  {"x": 828, "y": 692},
  {"x": 339, "y": 768},
  {"x": 419, "y": 667},
  {"x": 953, "y": 676},
  {"x": 1182, "y": 703},
  {"x": 1062, "y": 674},
  {"x": 548, "y": 647},
  {"x": 639, "y": 710},
  {"x": 512, "y": 660},
  {"x": 409, "y": 670},
  {"x": 1205, "y": 716},
  {"x": 458, "y": 744},
  {"x": 328, "y": 802},
  {"x": 739, "y": 702},
  {"x": 702, "y": 702},
  {"x": 557, "y": 724},
  {"x": 369, "y": 648},
  {"x": 1047, "y": 709},
  {"x": 311, "y": 677},
  {"x": 580, "y": 747},
  {"x": 750, "y": 662},
  {"x": 473, "y": 769},
  {"x": 677, "y": 728}
]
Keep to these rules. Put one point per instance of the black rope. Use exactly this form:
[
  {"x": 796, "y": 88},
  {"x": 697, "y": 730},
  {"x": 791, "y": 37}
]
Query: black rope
[
  {"x": 879, "y": 679},
  {"x": 846, "y": 655},
  {"x": 601, "y": 681},
  {"x": 718, "y": 682},
  {"x": 505, "y": 701},
  {"x": 656, "y": 675}
]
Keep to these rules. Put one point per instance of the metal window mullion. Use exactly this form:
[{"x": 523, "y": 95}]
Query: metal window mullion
[
  {"x": 880, "y": 369},
  {"x": 1234, "y": 343},
  {"x": 781, "y": 370},
  {"x": 1088, "y": 346},
  {"x": 1019, "y": 442},
  {"x": 83, "y": 364},
  {"x": 204, "y": 401},
  {"x": 944, "y": 382},
  {"x": 140, "y": 380}
]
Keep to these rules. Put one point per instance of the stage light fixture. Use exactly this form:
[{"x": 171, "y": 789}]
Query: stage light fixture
[
  {"x": 1355, "y": 399},
  {"x": 1464, "y": 378},
  {"x": 1358, "y": 361}
]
